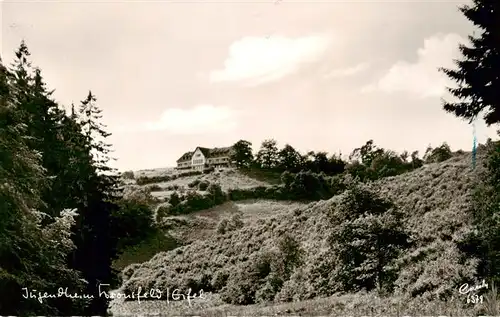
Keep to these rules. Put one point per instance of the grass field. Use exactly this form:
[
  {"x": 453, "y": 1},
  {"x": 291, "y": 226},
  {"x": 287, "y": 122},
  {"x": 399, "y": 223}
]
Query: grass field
[{"x": 159, "y": 242}]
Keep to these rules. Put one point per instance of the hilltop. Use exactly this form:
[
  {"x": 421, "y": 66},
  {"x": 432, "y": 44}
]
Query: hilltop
[{"x": 434, "y": 201}]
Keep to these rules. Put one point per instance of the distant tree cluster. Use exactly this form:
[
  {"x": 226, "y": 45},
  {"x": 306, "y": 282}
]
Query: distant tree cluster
[{"x": 367, "y": 162}]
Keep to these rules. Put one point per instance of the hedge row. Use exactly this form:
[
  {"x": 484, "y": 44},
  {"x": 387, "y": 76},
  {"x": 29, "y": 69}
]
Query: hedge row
[
  {"x": 143, "y": 180},
  {"x": 193, "y": 201}
]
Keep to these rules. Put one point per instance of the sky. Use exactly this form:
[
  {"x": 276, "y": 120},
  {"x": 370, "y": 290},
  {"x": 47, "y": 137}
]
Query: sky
[{"x": 319, "y": 75}]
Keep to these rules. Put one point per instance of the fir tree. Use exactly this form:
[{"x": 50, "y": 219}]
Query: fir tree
[
  {"x": 31, "y": 256},
  {"x": 96, "y": 245},
  {"x": 95, "y": 134},
  {"x": 477, "y": 73}
]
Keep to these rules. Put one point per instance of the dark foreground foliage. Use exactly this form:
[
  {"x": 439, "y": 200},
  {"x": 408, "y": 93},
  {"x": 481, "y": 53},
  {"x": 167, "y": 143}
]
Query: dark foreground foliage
[{"x": 60, "y": 204}]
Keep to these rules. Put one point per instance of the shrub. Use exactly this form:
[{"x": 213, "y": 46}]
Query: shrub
[
  {"x": 208, "y": 170},
  {"x": 437, "y": 155},
  {"x": 216, "y": 194},
  {"x": 272, "y": 193},
  {"x": 162, "y": 212},
  {"x": 226, "y": 225},
  {"x": 203, "y": 185},
  {"x": 197, "y": 201},
  {"x": 291, "y": 254},
  {"x": 174, "y": 199},
  {"x": 131, "y": 223},
  {"x": 261, "y": 277},
  {"x": 219, "y": 279},
  {"x": 287, "y": 179},
  {"x": 337, "y": 184},
  {"x": 222, "y": 226},
  {"x": 386, "y": 164},
  {"x": 142, "y": 195},
  {"x": 144, "y": 180},
  {"x": 154, "y": 188},
  {"x": 271, "y": 287},
  {"x": 246, "y": 279},
  {"x": 236, "y": 221},
  {"x": 128, "y": 175},
  {"x": 129, "y": 271},
  {"x": 357, "y": 170},
  {"x": 240, "y": 288},
  {"x": 297, "y": 288},
  {"x": 309, "y": 186},
  {"x": 189, "y": 173},
  {"x": 241, "y": 194},
  {"x": 194, "y": 183},
  {"x": 193, "y": 202},
  {"x": 369, "y": 236}
]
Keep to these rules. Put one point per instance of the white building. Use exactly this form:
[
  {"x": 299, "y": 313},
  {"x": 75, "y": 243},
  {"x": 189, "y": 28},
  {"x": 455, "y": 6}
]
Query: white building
[{"x": 202, "y": 158}]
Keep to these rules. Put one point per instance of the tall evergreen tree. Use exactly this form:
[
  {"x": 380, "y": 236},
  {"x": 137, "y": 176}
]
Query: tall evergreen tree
[
  {"x": 477, "y": 71},
  {"x": 95, "y": 134},
  {"x": 31, "y": 256},
  {"x": 96, "y": 247},
  {"x": 43, "y": 117},
  {"x": 74, "y": 158}
]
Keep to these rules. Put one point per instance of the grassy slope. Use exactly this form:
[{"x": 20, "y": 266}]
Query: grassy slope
[
  {"x": 227, "y": 178},
  {"x": 435, "y": 199},
  {"x": 160, "y": 241},
  {"x": 198, "y": 226}
]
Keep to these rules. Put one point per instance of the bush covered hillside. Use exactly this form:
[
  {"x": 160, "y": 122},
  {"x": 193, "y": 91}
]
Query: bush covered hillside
[
  {"x": 400, "y": 235},
  {"x": 276, "y": 232}
]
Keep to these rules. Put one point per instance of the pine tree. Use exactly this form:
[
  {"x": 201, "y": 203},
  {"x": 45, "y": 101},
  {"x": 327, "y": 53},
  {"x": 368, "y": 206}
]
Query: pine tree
[
  {"x": 50, "y": 161},
  {"x": 43, "y": 118},
  {"x": 96, "y": 245},
  {"x": 478, "y": 71},
  {"x": 31, "y": 256},
  {"x": 95, "y": 135}
]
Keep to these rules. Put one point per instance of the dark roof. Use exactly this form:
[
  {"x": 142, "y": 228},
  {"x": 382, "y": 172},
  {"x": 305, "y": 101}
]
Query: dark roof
[
  {"x": 222, "y": 151},
  {"x": 186, "y": 156},
  {"x": 207, "y": 152},
  {"x": 204, "y": 150}
]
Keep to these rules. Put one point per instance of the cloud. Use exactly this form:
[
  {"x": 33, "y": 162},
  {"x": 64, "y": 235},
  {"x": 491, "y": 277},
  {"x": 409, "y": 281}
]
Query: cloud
[
  {"x": 259, "y": 59},
  {"x": 350, "y": 71},
  {"x": 422, "y": 78},
  {"x": 203, "y": 118}
]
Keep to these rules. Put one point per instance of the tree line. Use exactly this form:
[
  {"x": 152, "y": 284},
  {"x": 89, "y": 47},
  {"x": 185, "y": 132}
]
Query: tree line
[{"x": 368, "y": 162}]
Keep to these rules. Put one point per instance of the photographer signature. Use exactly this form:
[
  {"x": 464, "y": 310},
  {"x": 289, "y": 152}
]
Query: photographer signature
[{"x": 465, "y": 289}]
